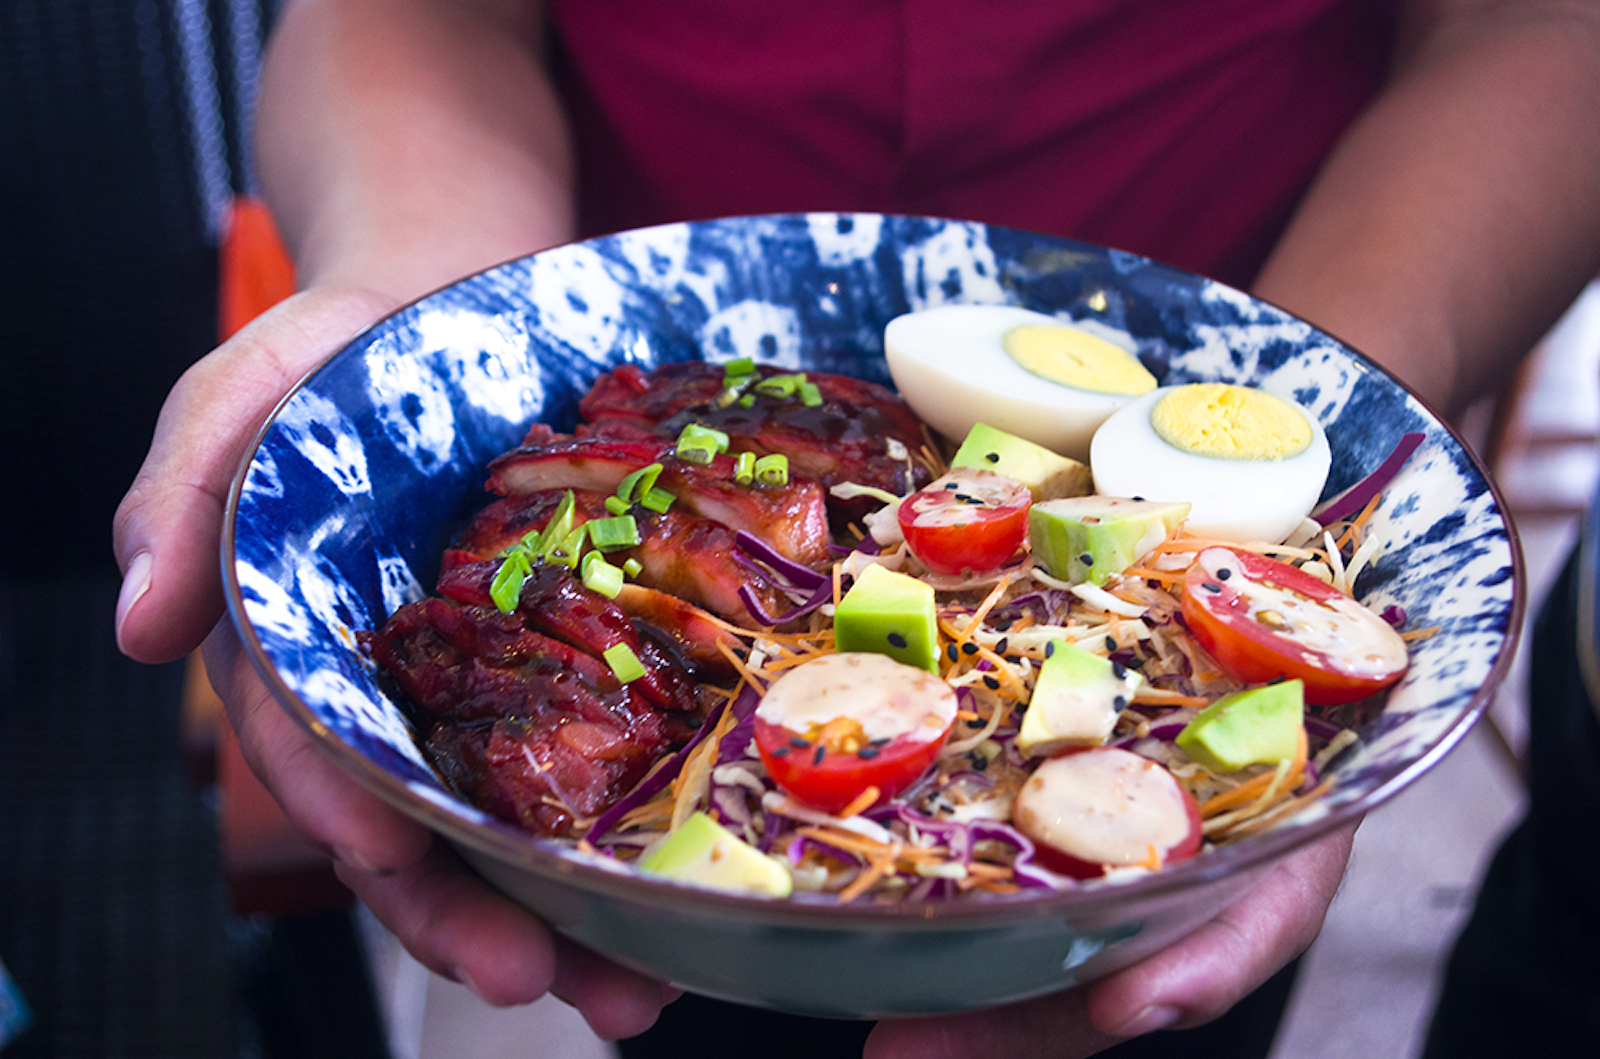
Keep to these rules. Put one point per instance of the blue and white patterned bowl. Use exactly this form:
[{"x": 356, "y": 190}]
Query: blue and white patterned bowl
[{"x": 356, "y": 483}]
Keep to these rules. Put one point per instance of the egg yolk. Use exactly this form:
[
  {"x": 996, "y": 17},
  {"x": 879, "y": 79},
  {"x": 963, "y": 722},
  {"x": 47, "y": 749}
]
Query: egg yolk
[
  {"x": 1230, "y": 422},
  {"x": 1076, "y": 358}
]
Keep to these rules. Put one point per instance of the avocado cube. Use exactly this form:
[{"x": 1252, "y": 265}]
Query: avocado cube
[
  {"x": 889, "y": 613},
  {"x": 703, "y": 852},
  {"x": 1046, "y": 474},
  {"x": 1076, "y": 700},
  {"x": 1089, "y": 538},
  {"x": 1257, "y": 726}
]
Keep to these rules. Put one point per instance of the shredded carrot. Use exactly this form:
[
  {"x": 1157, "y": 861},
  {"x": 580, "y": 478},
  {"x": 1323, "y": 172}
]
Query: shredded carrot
[
  {"x": 1160, "y": 697},
  {"x": 1256, "y": 786},
  {"x": 862, "y": 802},
  {"x": 746, "y": 674},
  {"x": 1357, "y": 523},
  {"x": 1170, "y": 578},
  {"x": 1420, "y": 634}
]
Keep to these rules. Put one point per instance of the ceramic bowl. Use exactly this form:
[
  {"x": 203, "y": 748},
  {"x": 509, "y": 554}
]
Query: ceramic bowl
[{"x": 354, "y": 486}]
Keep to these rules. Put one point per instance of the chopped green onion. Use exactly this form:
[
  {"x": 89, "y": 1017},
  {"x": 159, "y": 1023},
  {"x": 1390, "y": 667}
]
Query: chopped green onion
[
  {"x": 657, "y": 500},
  {"x": 566, "y": 551},
  {"x": 773, "y": 469},
  {"x": 609, "y": 534},
  {"x": 747, "y": 401},
  {"x": 637, "y": 482},
  {"x": 617, "y": 506},
  {"x": 700, "y": 444},
  {"x": 744, "y": 468},
  {"x": 810, "y": 396},
  {"x": 780, "y": 385},
  {"x": 600, "y": 576},
  {"x": 631, "y": 567},
  {"x": 696, "y": 450},
  {"x": 506, "y": 588},
  {"x": 624, "y": 663},
  {"x": 558, "y": 529},
  {"x": 740, "y": 367}
]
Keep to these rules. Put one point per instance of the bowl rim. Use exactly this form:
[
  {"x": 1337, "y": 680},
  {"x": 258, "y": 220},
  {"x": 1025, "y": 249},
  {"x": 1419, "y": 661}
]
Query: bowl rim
[{"x": 561, "y": 865}]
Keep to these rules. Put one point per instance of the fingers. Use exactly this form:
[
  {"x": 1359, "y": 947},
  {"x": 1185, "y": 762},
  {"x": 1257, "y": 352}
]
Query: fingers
[
  {"x": 457, "y": 926},
  {"x": 1054, "y": 1026},
  {"x": 328, "y": 806},
  {"x": 1202, "y": 976},
  {"x": 616, "y": 1002},
  {"x": 167, "y": 529},
  {"x": 1189, "y": 983}
]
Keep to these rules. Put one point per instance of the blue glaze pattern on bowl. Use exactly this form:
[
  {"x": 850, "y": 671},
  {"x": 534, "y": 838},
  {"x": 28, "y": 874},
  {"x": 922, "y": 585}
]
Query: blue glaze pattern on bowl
[{"x": 360, "y": 478}]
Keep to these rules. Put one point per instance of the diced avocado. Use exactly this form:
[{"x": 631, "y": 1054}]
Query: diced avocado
[
  {"x": 1046, "y": 474},
  {"x": 1089, "y": 538},
  {"x": 703, "y": 852},
  {"x": 889, "y": 614},
  {"x": 1076, "y": 700},
  {"x": 1258, "y": 726}
]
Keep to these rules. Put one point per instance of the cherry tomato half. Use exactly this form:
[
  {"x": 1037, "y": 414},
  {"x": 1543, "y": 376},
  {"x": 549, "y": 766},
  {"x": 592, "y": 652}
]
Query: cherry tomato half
[
  {"x": 970, "y": 519},
  {"x": 831, "y": 728},
  {"x": 1097, "y": 808},
  {"x": 1263, "y": 620}
]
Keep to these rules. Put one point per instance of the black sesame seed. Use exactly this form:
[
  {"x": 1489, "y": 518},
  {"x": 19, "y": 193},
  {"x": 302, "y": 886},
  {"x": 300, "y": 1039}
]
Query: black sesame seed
[
  {"x": 1119, "y": 703},
  {"x": 969, "y": 648},
  {"x": 980, "y": 762},
  {"x": 951, "y": 652},
  {"x": 868, "y": 752},
  {"x": 881, "y": 741},
  {"x": 1003, "y": 626},
  {"x": 1119, "y": 670},
  {"x": 992, "y": 683},
  {"x": 798, "y": 743},
  {"x": 976, "y": 722},
  {"x": 1000, "y": 647},
  {"x": 964, "y": 498},
  {"x": 992, "y": 457},
  {"x": 951, "y": 486},
  {"x": 816, "y": 758},
  {"x": 1211, "y": 586},
  {"x": 896, "y": 640},
  {"x": 1087, "y": 558},
  {"x": 1139, "y": 498},
  {"x": 1049, "y": 648},
  {"x": 1111, "y": 643},
  {"x": 780, "y": 751},
  {"x": 1224, "y": 573}
]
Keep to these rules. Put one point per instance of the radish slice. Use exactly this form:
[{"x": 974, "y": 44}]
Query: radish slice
[{"x": 1100, "y": 808}]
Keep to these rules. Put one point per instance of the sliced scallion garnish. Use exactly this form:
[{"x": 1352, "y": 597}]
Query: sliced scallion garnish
[
  {"x": 772, "y": 469},
  {"x": 609, "y": 534},
  {"x": 744, "y": 468},
  {"x": 624, "y": 663}
]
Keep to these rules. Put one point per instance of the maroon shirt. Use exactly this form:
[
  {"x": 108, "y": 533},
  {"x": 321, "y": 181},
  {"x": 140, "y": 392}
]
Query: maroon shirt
[{"x": 1181, "y": 129}]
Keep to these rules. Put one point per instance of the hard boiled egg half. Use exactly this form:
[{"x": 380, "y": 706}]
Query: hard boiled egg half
[
  {"x": 1038, "y": 377},
  {"x": 1250, "y": 464}
]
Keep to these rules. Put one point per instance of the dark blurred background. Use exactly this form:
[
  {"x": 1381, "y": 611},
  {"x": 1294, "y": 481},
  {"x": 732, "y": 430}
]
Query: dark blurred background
[{"x": 123, "y": 133}]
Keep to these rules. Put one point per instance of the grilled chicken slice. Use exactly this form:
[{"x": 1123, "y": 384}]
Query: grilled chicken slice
[{"x": 792, "y": 518}]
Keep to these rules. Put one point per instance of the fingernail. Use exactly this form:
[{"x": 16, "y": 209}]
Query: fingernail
[
  {"x": 1155, "y": 1017},
  {"x": 135, "y": 583}
]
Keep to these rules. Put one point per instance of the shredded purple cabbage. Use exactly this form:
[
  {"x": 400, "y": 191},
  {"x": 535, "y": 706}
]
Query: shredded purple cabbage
[{"x": 1352, "y": 500}]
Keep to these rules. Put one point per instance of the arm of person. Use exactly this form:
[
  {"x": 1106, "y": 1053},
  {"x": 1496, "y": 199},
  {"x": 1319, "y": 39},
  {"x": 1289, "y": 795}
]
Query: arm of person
[
  {"x": 402, "y": 143},
  {"x": 1446, "y": 233}
]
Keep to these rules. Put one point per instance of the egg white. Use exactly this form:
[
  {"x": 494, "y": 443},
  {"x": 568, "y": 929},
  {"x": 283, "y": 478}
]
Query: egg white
[
  {"x": 1231, "y": 500},
  {"x": 950, "y": 366}
]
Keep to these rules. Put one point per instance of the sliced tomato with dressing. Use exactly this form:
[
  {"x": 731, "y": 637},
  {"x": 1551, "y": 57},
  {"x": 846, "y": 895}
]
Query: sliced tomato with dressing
[
  {"x": 1263, "y": 620},
  {"x": 833, "y": 727},
  {"x": 1099, "y": 808},
  {"x": 969, "y": 519}
]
